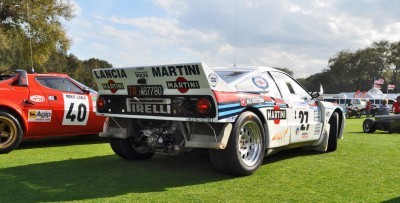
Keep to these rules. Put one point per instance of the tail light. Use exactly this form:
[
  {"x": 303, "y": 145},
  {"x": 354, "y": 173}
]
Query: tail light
[
  {"x": 101, "y": 103},
  {"x": 203, "y": 106}
]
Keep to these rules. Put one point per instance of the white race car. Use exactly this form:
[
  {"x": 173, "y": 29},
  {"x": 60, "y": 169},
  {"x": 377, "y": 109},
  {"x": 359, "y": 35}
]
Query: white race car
[{"x": 240, "y": 114}]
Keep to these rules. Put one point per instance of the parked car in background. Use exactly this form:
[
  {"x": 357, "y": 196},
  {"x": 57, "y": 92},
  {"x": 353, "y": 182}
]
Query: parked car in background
[
  {"x": 239, "y": 114},
  {"x": 42, "y": 105}
]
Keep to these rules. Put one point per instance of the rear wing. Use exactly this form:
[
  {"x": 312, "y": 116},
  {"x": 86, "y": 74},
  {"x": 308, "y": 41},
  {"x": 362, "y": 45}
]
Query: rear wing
[
  {"x": 188, "y": 78},
  {"x": 180, "y": 92}
]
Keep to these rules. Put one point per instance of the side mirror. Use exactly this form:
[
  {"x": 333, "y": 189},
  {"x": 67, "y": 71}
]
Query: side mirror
[
  {"x": 314, "y": 95},
  {"x": 86, "y": 90}
]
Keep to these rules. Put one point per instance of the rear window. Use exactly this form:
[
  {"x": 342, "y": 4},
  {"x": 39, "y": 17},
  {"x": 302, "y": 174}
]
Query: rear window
[{"x": 230, "y": 76}]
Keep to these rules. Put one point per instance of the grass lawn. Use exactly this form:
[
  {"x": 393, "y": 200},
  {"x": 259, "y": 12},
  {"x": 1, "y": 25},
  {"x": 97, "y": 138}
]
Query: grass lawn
[{"x": 365, "y": 168}]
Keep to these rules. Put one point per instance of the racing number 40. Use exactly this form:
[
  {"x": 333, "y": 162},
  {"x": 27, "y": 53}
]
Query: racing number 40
[{"x": 81, "y": 113}]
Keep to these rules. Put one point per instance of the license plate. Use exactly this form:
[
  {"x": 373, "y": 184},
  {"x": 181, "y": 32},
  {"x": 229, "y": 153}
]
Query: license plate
[{"x": 145, "y": 90}]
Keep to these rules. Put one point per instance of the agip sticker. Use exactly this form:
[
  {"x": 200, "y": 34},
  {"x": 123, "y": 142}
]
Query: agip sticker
[{"x": 39, "y": 115}]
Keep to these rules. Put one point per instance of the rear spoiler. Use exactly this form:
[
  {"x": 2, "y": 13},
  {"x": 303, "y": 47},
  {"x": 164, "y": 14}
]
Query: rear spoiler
[{"x": 185, "y": 78}]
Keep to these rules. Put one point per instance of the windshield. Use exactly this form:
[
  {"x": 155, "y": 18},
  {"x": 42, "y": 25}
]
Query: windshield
[{"x": 230, "y": 76}]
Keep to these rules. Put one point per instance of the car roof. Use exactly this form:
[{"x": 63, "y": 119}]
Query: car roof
[{"x": 259, "y": 69}]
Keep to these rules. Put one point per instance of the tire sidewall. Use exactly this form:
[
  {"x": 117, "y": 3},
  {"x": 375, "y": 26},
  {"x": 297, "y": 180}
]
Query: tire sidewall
[
  {"x": 18, "y": 136},
  {"x": 234, "y": 138}
]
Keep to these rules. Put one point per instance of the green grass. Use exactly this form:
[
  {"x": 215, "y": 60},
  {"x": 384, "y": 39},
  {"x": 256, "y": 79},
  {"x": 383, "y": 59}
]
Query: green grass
[{"x": 365, "y": 168}]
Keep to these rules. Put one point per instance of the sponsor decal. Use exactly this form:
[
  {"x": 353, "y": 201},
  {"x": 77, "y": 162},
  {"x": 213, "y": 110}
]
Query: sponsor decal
[
  {"x": 317, "y": 130},
  {"x": 37, "y": 98},
  {"x": 175, "y": 70},
  {"x": 39, "y": 115},
  {"x": 297, "y": 131},
  {"x": 276, "y": 114},
  {"x": 141, "y": 74},
  {"x": 51, "y": 98},
  {"x": 280, "y": 135},
  {"x": 246, "y": 88},
  {"x": 204, "y": 120},
  {"x": 183, "y": 85},
  {"x": 304, "y": 135},
  {"x": 231, "y": 119},
  {"x": 251, "y": 101},
  {"x": 153, "y": 107},
  {"x": 110, "y": 73},
  {"x": 113, "y": 86},
  {"x": 213, "y": 78},
  {"x": 260, "y": 82}
]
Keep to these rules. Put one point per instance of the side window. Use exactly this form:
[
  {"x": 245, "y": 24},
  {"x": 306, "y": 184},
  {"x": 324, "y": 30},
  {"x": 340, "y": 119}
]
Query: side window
[
  {"x": 289, "y": 87},
  {"x": 59, "y": 83},
  {"x": 262, "y": 83}
]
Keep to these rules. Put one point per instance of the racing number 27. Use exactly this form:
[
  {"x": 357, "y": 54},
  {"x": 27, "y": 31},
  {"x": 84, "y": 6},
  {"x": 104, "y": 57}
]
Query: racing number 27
[
  {"x": 303, "y": 115},
  {"x": 81, "y": 113}
]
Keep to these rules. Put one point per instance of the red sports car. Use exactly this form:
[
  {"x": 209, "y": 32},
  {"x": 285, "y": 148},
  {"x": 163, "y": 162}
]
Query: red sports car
[{"x": 41, "y": 105}]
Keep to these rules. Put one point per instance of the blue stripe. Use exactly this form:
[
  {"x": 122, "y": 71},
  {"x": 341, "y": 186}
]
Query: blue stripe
[
  {"x": 263, "y": 105},
  {"x": 230, "y": 112},
  {"x": 228, "y": 105}
]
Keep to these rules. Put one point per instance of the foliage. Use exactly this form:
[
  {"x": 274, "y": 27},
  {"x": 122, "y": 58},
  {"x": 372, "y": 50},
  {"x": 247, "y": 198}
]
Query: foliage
[
  {"x": 365, "y": 168},
  {"x": 32, "y": 31},
  {"x": 286, "y": 70},
  {"x": 352, "y": 71}
]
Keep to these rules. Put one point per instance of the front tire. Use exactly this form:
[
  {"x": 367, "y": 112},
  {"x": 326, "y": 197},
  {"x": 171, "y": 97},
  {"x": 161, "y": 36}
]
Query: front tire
[
  {"x": 369, "y": 126},
  {"x": 10, "y": 132},
  {"x": 245, "y": 150},
  {"x": 130, "y": 149},
  {"x": 333, "y": 132}
]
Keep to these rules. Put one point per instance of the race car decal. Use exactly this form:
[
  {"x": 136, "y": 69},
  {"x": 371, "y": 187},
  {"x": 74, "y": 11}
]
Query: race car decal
[
  {"x": 280, "y": 135},
  {"x": 76, "y": 109},
  {"x": 213, "y": 79},
  {"x": 276, "y": 114},
  {"x": 37, "y": 98},
  {"x": 230, "y": 104},
  {"x": 39, "y": 115},
  {"x": 113, "y": 86},
  {"x": 183, "y": 85},
  {"x": 260, "y": 82},
  {"x": 175, "y": 70},
  {"x": 110, "y": 73},
  {"x": 141, "y": 74}
]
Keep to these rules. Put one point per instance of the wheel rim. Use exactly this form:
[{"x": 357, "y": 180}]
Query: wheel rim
[
  {"x": 367, "y": 126},
  {"x": 250, "y": 145},
  {"x": 138, "y": 146},
  {"x": 8, "y": 132}
]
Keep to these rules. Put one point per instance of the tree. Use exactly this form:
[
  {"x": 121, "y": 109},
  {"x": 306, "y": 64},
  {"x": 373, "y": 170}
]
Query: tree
[
  {"x": 286, "y": 70},
  {"x": 32, "y": 30}
]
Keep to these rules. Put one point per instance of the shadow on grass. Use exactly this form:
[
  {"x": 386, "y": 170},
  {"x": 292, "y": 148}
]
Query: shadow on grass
[
  {"x": 61, "y": 141},
  {"x": 103, "y": 176},
  {"x": 394, "y": 200},
  {"x": 289, "y": 154}
]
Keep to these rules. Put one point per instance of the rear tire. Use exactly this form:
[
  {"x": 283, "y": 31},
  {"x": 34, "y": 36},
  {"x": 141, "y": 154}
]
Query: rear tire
[
  {"x": 10, "y": 132},
  {"x": 129, "y": 149},
  {"x": 333, "y": 132},
  {"x": 245, "y": 150},
  {"x": 369, "y": 126}
]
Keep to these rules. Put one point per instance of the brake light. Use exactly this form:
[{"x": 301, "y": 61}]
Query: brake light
[
  {"x": 203, "y": 106},
  {"x": 101, "y": 103}
]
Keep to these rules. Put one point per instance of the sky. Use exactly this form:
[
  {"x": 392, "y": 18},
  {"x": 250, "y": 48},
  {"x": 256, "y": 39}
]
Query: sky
[{"x": 301, "y": 35}]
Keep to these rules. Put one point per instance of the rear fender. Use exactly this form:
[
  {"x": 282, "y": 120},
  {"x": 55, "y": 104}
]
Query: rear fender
[{"x": 17, "y": 111}]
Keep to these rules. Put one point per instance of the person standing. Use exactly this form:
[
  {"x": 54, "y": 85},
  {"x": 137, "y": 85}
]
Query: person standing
[
  {"x": 384, "y": 108},
  {"x": 396, "y": 106},
  {"x": 368, "y": 108}
]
